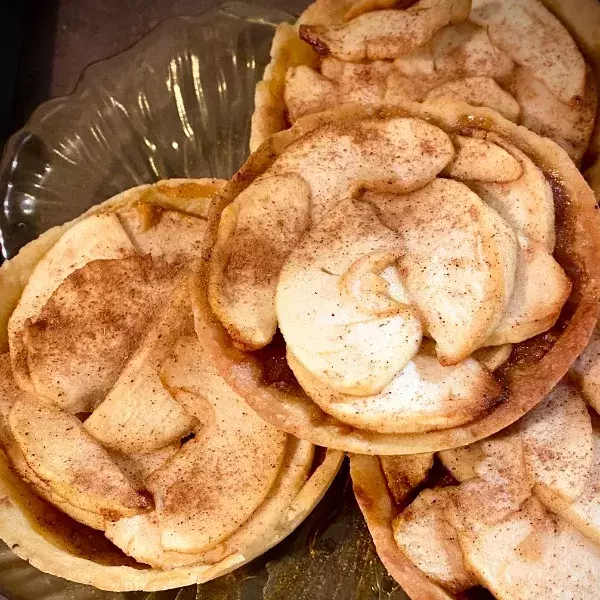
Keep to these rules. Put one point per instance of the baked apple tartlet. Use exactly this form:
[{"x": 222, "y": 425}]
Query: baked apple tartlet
[
  {"x": 515, "y": 56},
  {"x": 127, "y": 462},
  {"x": 517, "y": 513},
  {"x": 399, "y": 279}
]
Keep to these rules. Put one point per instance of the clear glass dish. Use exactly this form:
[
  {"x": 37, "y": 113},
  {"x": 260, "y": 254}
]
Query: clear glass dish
[{"x": 177, "y": 104}]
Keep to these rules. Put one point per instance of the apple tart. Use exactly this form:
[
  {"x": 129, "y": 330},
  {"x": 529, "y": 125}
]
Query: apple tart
[
  {"x": 127, "y": 462},
  {"x": 517, "y": 513},
  {"x": 400, "y": 279},
  {"x": 513, "y": 56}
]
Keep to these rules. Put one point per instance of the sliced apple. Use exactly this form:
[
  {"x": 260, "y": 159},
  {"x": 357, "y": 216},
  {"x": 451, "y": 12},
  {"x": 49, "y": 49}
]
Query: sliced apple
[
  {"x": 167, "y": 234},
  {"x": 261, "y": 227},
  {"x": 307, "y": 91},
  {"x": 139, "y": 414},
  {"x": 414, "y": 88},
  {"x": 502, "y": 483},
  {"x": 98, "y": 237},
  {"x": 479, "y": 91},
  {"x": 360, "y": 7},
  {"x": 465, "y": 50},
  {"x": 140, "y": 536},
  {"x": 587, "y": 371},
  {"x": 482, "y": 160},
  {"x": 461, "y": 462},
  {"x": 375, "y": 284},
  {"x": 46, "y": 491},
  {"x": 219, "y": 478},
  {"x": 425, "y": 536},
  {"x": 534, "y": 38},
  {"x": 139, "y": 466},
  {"x": 493, "y": 357},
  {"x": 417, "y": 63},
  {"x": 256, "y": 234},
  {"x": 10, "y": 393},
  {"x": 337, "y": 159},
  {"x": 80, "y": 340},
  {"x": 64, "y": 456},
  {"x": 360, "y": 83},
  {"x": 584, "y": 512},
  {"x": 569, "y": 125},
  {"x": 344, "y": 72},
  {"x": 385, "y": 34},
  {"x": 503, "y": 531},
  {"x": 526, "y": 203},
  {"x": 462, "y": 287},
  {"x": 541, "y": 290},
  {"x": 404, "y": 473},
  {"x": 559, "y": 447},
  {"x": 557, "y": 450},
  {"x": 343, "y": 342},
  {"x": 264, "y": 523},
  {"x": 524, "y": 556},
  {"x": 423, "y": 396}
]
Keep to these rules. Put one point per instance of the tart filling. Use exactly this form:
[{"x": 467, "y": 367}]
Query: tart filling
[
  {"x": 395, "y": 251},
  {"x": 111, "y": 410},
  {"x": 514, "y": 57}
]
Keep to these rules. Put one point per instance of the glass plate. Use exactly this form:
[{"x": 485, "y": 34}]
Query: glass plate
[{"x": 177, "y": 104}]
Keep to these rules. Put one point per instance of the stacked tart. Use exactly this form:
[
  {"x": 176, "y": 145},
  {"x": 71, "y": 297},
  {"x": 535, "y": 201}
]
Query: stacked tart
[
  {"x": 516, "y": 512},
  {"x": 128, "y": 462},
  {"x": 389, "y": 257},
  {"x": 515, "y": 57},
  {"x": 410, "y": 283}
]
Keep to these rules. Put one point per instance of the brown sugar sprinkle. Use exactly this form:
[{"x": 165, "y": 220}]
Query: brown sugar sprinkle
[{"x": 92, "y": 322}]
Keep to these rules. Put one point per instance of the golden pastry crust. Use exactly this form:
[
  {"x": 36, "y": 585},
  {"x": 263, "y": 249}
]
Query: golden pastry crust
[
  {"x": 53, "y": 542},
  {"x": 536, "y": 366}
]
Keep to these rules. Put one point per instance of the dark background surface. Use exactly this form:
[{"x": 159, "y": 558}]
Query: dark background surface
[{"x": 46, "y": 44}]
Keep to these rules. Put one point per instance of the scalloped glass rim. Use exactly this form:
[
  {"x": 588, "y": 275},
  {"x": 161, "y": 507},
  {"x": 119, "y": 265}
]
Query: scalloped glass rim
[{"x": 175, "y": 104}]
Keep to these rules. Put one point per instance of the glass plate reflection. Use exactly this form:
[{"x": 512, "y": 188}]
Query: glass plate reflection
[{"x": 177, "y": 104}]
